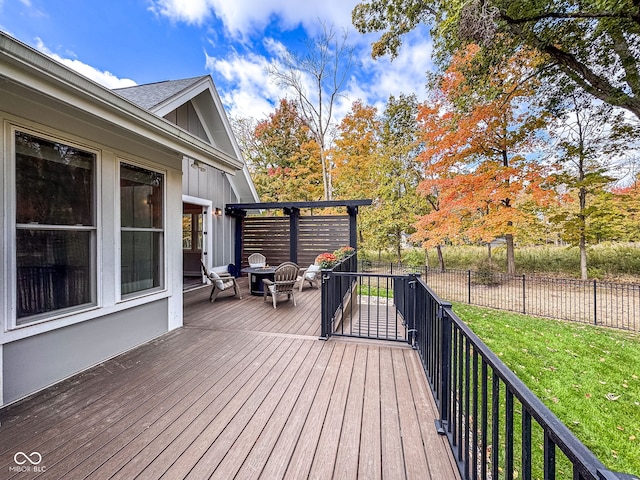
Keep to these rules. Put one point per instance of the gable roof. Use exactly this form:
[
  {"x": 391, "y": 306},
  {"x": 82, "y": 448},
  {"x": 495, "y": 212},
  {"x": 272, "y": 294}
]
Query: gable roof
[
  {"x": 25, "y": 72},
  {"x": 151, "y": 95},
  {"x": 161, "y": 98}
]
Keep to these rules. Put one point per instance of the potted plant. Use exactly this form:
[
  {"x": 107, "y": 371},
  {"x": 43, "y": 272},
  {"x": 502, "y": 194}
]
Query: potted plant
[{"x": 326, "y": 260}]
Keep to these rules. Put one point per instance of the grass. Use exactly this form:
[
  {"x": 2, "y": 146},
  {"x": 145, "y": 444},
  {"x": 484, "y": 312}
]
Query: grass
[
  {"x": 374, "y": 291},
  {"x": 588, "y": 376}
]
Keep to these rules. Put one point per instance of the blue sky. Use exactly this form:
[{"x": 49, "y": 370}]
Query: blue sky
[{"x": 121, "y": 43}]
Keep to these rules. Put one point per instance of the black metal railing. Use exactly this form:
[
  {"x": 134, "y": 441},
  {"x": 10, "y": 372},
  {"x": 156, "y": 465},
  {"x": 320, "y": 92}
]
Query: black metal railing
[
  {"x": 609, "y": 304},
  {"x": 497, "y": 428}
]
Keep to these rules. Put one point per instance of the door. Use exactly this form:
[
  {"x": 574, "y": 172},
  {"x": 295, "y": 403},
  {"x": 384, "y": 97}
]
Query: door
[{"x": 193, "y": 241}]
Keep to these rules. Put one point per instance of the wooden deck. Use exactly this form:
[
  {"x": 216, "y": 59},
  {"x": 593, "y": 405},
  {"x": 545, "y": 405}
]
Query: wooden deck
[{"x": 242, "y": 391}]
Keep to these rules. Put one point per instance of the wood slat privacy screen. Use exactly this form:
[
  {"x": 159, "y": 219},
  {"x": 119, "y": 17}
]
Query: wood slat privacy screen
[
  {"x": 268, "y": 236},
  {"x": 271, "y": 237},
  {"x": 321, "y": 234}
]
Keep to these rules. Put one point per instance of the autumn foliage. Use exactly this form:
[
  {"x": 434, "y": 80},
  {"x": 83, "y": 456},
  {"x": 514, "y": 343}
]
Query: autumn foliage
[{"x": 478, "y": 156}]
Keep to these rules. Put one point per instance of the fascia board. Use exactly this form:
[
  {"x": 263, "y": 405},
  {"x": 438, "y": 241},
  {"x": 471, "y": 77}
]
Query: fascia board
[
  {"x": 23, "y": 65},
  {"x": 180, "y": 99}
]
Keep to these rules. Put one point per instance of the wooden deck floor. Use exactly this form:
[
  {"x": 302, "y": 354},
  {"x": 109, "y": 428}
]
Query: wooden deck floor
[{"x": 242, "y": 391}]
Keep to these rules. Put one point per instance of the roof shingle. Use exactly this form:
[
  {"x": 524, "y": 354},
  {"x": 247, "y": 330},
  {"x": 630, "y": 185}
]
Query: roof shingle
[{"x": 153, "y": 94}]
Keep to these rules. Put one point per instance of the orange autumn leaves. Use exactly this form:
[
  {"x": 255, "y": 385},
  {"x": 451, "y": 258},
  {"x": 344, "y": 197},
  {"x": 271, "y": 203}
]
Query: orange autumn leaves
[{"x": 482, "y": 175}]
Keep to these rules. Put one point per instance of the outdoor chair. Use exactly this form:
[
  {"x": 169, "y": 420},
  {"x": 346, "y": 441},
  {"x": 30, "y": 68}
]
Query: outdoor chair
[
  {"x": 221, "y": 281},
  {"x": 257, "y": 260},
  {"x": 284, "y": 280},
  {"x": 312, "y": 275}
]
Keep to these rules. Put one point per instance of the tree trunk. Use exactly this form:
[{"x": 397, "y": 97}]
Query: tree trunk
[
  {"x": 582, "y": 195},
  {"x": 584, "y": 274},
  {"x": 440, "y": 258},
  {"x": 511, "y": 257},
  {"x": 326, "y": 179}
]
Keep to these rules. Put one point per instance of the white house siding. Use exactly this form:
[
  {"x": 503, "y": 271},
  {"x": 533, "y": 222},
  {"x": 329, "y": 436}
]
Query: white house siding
[
  {"x": 49, "y": 101},
  {"x": 213, "y": 184},
  {"x": 35, "y": 362}
]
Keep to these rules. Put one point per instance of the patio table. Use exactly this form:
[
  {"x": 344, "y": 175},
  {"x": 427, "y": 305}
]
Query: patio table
[{"x": 256, "y": 274}]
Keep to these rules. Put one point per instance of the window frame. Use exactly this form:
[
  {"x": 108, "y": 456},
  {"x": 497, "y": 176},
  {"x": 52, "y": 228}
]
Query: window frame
[
  {"x": 196, "y": 232},
  {"x": 119, "y": 229},
  {"x": 11, "y": 278}
]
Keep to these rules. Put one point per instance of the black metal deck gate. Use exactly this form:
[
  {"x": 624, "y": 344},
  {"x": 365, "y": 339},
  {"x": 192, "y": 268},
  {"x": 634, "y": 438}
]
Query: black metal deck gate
[{"x": 364, "y": 305}]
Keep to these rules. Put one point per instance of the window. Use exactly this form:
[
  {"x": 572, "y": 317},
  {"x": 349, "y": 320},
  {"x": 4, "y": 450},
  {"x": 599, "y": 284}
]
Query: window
[
  {"x": 55, "y": 227},
  {"x": 192, "y": 231},
  {"x": 142, "y": 229}
]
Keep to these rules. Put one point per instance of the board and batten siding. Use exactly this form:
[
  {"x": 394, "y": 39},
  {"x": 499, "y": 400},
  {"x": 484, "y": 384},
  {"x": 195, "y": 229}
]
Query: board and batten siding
[{"x": 213, "y": 185}]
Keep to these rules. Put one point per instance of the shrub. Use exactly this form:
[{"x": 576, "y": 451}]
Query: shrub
[{"x": 485, "y": 273}]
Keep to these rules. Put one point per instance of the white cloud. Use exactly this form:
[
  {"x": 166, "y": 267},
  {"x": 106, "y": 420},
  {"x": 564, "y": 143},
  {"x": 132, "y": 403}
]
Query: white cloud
[
  {"x": 247, "y": 90},
  {"x": 241, "y": 17},
  {"x": 104, "y": 78},
  {"x": 405, "y": 74},
  {"x": 244, "y": 85},
  {"x": 190, "y": 11}
]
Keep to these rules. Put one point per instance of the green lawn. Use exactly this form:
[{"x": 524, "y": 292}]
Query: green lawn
[
  {"x": 374, "y": 291},
  {"x": 588, "y": 376}
]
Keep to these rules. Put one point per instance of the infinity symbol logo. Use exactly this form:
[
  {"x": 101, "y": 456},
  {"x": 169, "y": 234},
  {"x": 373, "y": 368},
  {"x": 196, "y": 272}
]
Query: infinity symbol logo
[{"x": 34, "y": 459}]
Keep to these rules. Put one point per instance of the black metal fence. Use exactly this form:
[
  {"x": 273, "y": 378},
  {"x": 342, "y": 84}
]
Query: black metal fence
[
  {"x": 609, "y": 304},
  {"x": 496, "y": 426}
]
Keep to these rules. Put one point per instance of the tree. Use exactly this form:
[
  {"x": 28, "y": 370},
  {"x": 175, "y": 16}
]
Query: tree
[
  {"x": 589, "y": 136},
  {"x": 478, "y": 156},
  {"x": 355, "y": 154},
  {"x": 316, "y": 79},
  {"x": 281, "y": 155},
  {"x": 375, "y": 157},
  {"x": 627, "y": 201},
  {"x": 594, "y": 43},
  {"x": 400, "y": 172}
]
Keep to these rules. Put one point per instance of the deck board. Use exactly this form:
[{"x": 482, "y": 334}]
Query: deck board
[{"x": 243, "y": 391}]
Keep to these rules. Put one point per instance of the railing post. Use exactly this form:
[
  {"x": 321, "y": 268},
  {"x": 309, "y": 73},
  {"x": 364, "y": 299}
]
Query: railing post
[
  {"x": 445, "y": 368},
  {"x": 413, "y": 292},
  {"x": 325, "y": 310},
  {"x": 469, "y": 286}
]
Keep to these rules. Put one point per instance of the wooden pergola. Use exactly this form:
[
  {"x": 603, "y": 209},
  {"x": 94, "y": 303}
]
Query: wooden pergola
[{"x": 292, "y": 210}]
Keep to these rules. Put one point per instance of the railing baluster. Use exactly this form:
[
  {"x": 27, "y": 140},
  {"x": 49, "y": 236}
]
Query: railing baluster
[
  {"x": 495, "y": 425},
  {"x": 485, "y": 411},
  {"x": 526, "y": 445},
  {"x": 508, "y": 434},
  {"x": 474, "y": 446},
  {"x": 454, "y": 387},
  {"x": 467, "y": 381},
  {"x": 549, "y": 457}
]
